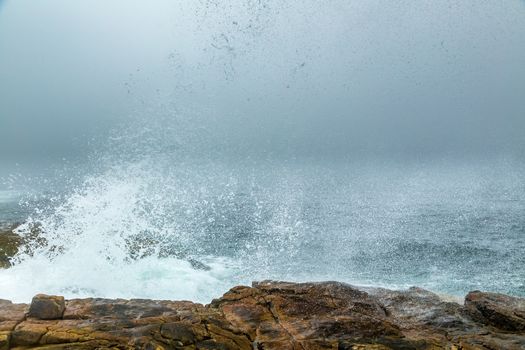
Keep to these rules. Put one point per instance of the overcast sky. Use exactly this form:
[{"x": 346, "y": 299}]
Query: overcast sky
[{"x": 327, "y": 78}]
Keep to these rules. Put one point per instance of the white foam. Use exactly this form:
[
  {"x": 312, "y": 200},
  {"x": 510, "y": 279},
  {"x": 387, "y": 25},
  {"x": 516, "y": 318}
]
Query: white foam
[
  {"x": 87, "y": 249},
  {"x": 76, "y": 277}
]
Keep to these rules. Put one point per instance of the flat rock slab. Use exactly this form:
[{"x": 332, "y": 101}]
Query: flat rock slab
[{"x": 270, "y": 315}]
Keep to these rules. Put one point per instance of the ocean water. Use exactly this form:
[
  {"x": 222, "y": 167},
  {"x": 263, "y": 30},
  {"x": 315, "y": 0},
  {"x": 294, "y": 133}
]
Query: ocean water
[
  {"x": 174, "y": 149},
  {"x": 10, "y": 210},
  {"x": 152, "y": 229}
]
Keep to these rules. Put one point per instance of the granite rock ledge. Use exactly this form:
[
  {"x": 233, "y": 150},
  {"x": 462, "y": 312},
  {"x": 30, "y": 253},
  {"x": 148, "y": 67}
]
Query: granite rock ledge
[{"x": 271, "y": 315}]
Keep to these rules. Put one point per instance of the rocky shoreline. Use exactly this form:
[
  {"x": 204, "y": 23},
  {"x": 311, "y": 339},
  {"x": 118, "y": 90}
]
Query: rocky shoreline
[
  {"x": 270, "y": 315},
  {"x": 10, "y": 243}
]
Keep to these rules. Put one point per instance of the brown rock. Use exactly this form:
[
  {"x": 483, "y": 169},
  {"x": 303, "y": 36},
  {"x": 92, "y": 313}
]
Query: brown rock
[
  {"x": 9, "y": 245},
  {"x": 179, "y": 332},
  {"x": 498, "y": 310},
  {"x": 11, "y": 314},
  {"x": 5, "y": 338},
  {"x": 416, "y": 307},
  {"x": 47, "y": 307},
  {"x": 274, "y": 315},
  {"x": 12, "y": 242}
]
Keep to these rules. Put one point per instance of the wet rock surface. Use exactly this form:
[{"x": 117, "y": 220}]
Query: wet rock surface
[
  {"x": 9, "y": 245},
  {"x": 499, "y": 310},
  {"x": 274, "y": 315}
]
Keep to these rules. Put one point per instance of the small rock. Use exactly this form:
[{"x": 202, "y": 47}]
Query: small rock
[{"x": 47, "y": 307}]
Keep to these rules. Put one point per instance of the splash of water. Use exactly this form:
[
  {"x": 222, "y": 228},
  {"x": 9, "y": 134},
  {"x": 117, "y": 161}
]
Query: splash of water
[
  {"x": 165, "y": 227},
  {"x": 152, "y": 229}
]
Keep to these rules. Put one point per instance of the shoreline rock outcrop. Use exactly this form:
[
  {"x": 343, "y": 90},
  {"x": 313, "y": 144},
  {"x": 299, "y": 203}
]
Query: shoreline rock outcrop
[
  {"x": 270, "y": 315},
  {"x": 9, "y": 245}
]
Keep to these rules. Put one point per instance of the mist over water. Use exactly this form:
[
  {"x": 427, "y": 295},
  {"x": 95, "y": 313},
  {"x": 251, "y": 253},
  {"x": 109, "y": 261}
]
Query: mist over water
[
  {"x": 174, "y": 150},
  {"x": 344, "y": 78}
]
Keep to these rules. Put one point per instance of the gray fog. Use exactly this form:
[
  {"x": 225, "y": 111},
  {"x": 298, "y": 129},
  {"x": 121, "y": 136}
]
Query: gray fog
[{"x": 296, "y": 78}]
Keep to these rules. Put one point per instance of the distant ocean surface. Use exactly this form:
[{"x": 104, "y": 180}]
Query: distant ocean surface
[
  {"x": 10, "y": 209},
  {"x": 191, "y": 231}
]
